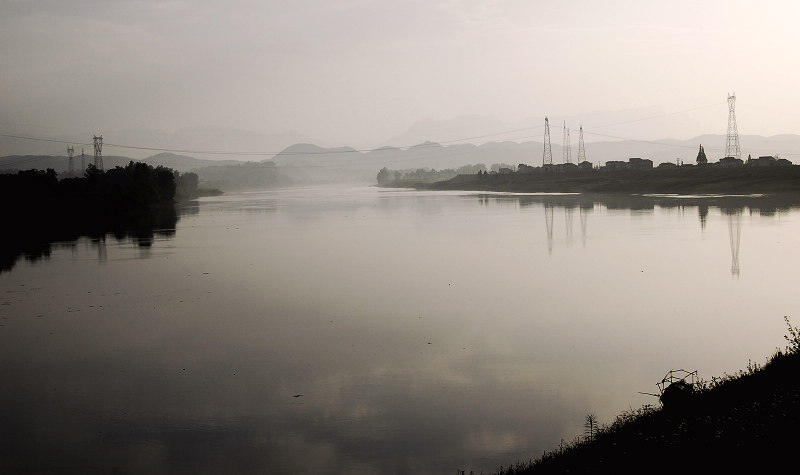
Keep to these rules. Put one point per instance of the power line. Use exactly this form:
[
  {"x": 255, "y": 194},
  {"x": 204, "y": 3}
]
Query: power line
[
  {"x": 240, "y": 153},
  {"x": 40, "y": 139},
  {"x": 654, "y": 142},
  {"x": 659, "y": 115},
  {"x": 351, "y": 150}
]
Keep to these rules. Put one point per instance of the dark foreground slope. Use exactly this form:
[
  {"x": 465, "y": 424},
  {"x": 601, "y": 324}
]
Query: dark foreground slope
[
  {"x": 749, "y": 423},
  {"x": 741, "y": 180}
]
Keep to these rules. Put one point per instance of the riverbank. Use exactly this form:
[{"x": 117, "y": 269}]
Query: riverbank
[
  {"x": 680, "y": 180},
  {"x": 736, "y": 423}
]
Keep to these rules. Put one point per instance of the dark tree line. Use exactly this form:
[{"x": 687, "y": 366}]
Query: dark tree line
[
  {"x": 134, "y": 201},
  {"x": 426, "y": 175},
  {"x": 135, "y": 187}
]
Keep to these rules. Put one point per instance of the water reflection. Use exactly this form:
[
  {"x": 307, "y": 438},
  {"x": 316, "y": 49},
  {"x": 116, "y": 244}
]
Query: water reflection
[
  {"x": 34, "y": 240},
  {"x": 420, "y": 332},
  {"x": 730, "y": 206},
  {"x": 548, "y": 219},
  {"x": 702, "y": 211},
  {"x": 568, "y": 211},
  {"x": 585, "y": 209},
  {"x": 734, "y": 216}
]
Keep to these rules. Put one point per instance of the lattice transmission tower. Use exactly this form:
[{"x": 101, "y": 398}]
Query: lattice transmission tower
[
  {"x": 547, "y": 158},
  {"x": 569, "y": 148},
  {"x": 98, "y": 152},
  {"x": 83, "y": 161},
  {"x": 732, "y": 142},
  {"x": 71, "y": 165},
  {"x": 581, "y": 148},
  {"x": 564, "y": 143}
]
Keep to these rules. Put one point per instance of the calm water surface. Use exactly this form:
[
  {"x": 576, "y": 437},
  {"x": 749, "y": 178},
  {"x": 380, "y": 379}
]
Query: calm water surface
[{"x": 362, "y": 330}]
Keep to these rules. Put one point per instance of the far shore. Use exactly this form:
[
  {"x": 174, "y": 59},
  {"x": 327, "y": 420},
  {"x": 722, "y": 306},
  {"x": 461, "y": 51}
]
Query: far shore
[{"x": 681, "y": 180}]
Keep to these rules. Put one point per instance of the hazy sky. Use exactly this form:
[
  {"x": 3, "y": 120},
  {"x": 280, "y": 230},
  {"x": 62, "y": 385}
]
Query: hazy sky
[{"x": 360, "y": 71}]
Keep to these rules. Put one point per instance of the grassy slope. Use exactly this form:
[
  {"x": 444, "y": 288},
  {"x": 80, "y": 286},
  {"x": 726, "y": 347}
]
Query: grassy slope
[{"x": 745, "y": 423}]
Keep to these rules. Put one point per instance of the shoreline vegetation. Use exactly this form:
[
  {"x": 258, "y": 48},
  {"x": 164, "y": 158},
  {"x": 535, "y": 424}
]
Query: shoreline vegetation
[
  {"x": 731, "y": 424},
  {"x": 136, "y": 202},
  {"x": 676, "y": 180}
]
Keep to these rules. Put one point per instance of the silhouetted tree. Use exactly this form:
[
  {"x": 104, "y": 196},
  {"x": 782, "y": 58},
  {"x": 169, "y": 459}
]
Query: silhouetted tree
[
  {"x": 186, "y": 184},
  {"x": 701, "y": 156},
  {"x": 384, "y": 176}
]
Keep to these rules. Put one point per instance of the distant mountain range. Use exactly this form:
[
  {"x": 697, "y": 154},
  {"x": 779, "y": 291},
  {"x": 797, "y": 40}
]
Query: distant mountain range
[
  {"x": 438, "y": 156},
  {"x": 650, "y": 122}
]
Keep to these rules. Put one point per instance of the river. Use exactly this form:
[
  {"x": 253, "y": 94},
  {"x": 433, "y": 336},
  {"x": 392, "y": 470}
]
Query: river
[{"x": 360, "y": 330}]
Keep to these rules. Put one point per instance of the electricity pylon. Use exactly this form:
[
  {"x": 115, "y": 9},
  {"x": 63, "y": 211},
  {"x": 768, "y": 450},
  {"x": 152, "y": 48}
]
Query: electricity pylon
[
  {"x": 547, "y": 158},
  {"x": 70, "y": 166},
  {"x": 732, "y": 142},
  {"x": 569, "y": 149},
  {"x": 98, "y": 152},
  {"x": 581, "y": 149}
]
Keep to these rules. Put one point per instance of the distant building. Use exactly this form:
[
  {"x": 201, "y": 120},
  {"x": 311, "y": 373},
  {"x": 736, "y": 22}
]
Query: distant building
[
  {"x": 667, "y": 165},
  {"x": 640, "y": 163},
  {"x": 782, "y": 162},
  {"x": 730, "y": 162},
  {"x": 522, "y": 168},
  {"x": 505, "y": 171},
  {"x": 634, "y": 163},
  {"x": 616, "y": 165},
  {"x": 585, "y": 166},
  {"x": 762, "y": 161}
]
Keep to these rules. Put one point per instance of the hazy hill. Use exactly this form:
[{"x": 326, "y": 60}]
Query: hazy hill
[
  {"x": 617, "y": 123},
  {"x": 309, "y": 163},
  {"x": 306, "y": 154},
  {"x": 183, "y": 163}
]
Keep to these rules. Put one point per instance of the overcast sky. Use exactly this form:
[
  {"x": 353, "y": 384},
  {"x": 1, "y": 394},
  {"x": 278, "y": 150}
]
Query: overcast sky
[{"x": 357, "y": 72}]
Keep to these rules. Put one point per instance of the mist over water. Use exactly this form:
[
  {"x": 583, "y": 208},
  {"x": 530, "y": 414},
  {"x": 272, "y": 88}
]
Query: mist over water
[{"x": 363, "y": 330}]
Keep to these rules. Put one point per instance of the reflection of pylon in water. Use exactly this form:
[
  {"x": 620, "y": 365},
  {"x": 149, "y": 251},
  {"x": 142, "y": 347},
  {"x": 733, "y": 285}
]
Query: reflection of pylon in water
[
  {"x": 584, "y": 213},
  {"x": 548, "y": 220},
  {"x": 735, "y": 233},
  {"x": 568, "y": 218},
  {"x": 703, "y": 212}
]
